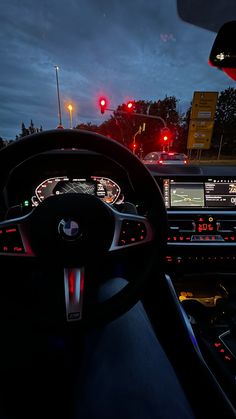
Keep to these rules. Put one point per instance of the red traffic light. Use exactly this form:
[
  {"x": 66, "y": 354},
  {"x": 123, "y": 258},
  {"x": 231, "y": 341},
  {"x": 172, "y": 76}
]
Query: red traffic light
[
  {"x": 103, "y": 104},
  {"x": 165, "y": 134},
  {"x": 130, "y": 106}
]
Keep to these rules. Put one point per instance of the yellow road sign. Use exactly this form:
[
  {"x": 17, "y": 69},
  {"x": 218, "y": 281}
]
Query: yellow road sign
[
  {"x": 200, "y": 140},
  {"x": 204, "y": 105},
  {"x": 202, "y": 120},
  {"x": 200, "y": 125},
  {"x": 200, "y": 134}
]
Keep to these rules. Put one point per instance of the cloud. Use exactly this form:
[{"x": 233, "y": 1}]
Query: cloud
[{"x": 134, "y": 49}]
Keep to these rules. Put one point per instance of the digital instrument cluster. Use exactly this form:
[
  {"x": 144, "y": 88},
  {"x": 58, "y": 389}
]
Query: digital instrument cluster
[
  {"x": 102, "y": 187},
  {"x": 210, "y": 193}
]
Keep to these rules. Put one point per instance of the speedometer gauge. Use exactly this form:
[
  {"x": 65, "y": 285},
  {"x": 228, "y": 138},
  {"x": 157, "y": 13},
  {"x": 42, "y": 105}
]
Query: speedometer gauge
[
  {"x": 104, "y": 188},
  {"x": 45, "y": 189}
]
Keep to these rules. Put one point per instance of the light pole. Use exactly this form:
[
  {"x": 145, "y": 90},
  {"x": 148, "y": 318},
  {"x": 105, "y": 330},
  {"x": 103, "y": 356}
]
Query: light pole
[
  {"x": 58, "y": 96},
  {"x": 70, "y": 108}
]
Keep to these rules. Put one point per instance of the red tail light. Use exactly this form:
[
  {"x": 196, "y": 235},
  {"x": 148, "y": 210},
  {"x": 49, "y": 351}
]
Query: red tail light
[
  {"x": 185, "y": 161},
  {"x": 160, "y": 161}
]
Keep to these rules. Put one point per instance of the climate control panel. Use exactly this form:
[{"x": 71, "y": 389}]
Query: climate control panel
[{"x": 192, "y": 227}]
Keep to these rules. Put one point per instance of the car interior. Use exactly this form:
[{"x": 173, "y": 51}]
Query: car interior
[{"x": 77, "y": 208}]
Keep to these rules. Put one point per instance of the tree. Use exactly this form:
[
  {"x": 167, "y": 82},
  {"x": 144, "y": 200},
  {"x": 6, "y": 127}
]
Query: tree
[
  {"x": 123, "y": 126},
  {"x": 28, "y": 131},
  {"x": 24, "y": 131},
  {"x": 226, "y": 108},
  {"x": 88, "y": 127},
  {"x": 225, "y": 121},
  {"x": 1, "y": 143},
  {"x": 32, "y": 130}
]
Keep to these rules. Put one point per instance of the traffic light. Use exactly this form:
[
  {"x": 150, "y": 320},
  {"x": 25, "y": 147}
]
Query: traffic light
[
  {"x": 130, "y": 106},
  {"x": 165, "y": 135},
  {"x": 103, "y": 104}
]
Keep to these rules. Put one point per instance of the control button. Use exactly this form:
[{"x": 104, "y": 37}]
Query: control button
[
  {"x": 4, "y": 248},
  {"x": 183, "y": 226},
  {"x": 17, "y": 249},
  {"x": 201, "y": 238},
  {"x": 217, "y": 344},
  {"x": 132, "y": 232},
  {"x": 10, "y": 240},
  {"x": 227, "y": 226}
]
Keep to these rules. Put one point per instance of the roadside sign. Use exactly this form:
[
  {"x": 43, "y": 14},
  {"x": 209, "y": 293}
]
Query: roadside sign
[
  {"x": 200, "y": 134},
  {"x": 204, "y": 105},
  {"x": 200, "y": 125},
  {"x": 199, "y": 139},
  {"x": 202, "y": 120}
]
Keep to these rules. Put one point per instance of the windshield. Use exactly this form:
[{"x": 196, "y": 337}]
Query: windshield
[{"x": 95, "y": 64}]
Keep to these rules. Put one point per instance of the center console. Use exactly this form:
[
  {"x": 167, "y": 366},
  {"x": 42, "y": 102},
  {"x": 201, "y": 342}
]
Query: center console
[
  {"x": 201, "y": 258},
  {"x": 201, "y": 220}
]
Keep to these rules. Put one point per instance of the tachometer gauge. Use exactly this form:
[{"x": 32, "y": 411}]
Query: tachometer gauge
[
  {"x": 104, "y": 188},
  {"x": 107, "y": 189}
]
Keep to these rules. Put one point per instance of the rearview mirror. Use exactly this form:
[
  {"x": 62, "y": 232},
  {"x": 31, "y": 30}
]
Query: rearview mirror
[
  {"x": 206, "y": 13},
  {"x": 223, "y": 52}
]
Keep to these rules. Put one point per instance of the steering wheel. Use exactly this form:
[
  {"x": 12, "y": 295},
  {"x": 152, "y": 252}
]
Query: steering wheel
[{"x": 77, "y": 229}]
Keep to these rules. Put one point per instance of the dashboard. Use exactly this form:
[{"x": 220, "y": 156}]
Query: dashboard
[{"x": 200, "y": 201}]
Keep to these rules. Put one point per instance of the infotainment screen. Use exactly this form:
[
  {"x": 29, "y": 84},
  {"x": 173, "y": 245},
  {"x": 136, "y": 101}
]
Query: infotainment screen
[{"x": 218, "y": 193}]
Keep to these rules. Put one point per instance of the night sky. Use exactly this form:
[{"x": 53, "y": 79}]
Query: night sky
[{"x": 133, "y": 49}]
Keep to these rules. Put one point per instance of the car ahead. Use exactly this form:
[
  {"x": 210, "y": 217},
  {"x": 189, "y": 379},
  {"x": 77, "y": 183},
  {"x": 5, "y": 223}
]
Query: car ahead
[{"x": 163, "y": 157}]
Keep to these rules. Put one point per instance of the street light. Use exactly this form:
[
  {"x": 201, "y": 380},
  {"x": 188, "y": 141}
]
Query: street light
[
  {"x": 58, "y": 96},
  {"x": 70, "y": 108}
]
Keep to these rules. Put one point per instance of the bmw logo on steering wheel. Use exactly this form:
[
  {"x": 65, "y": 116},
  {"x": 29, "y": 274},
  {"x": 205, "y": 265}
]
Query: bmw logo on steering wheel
[{"x": 69, "y": 229}]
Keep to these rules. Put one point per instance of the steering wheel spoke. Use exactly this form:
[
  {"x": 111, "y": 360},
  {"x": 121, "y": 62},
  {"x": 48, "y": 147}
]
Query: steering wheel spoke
[
  {"x": 74, "y": 291},
  {"x": 14, "y": 238}
]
